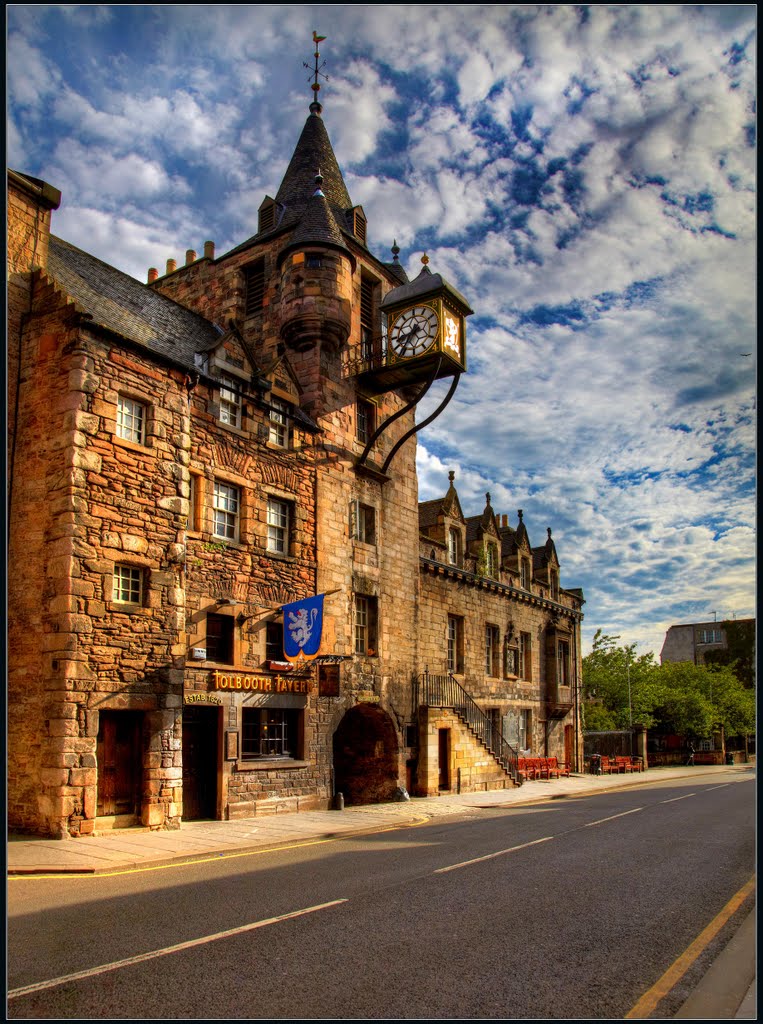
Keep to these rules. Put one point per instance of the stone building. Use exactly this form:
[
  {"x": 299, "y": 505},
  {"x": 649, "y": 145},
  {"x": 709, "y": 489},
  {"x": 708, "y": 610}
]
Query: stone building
[
  {"x": 692, "y": 641},
  {"x": 189, "y": 455}
]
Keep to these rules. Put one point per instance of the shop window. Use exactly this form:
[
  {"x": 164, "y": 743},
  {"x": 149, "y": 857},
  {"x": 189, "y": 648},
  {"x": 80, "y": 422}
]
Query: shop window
[
  {"x": 365, "y": 624},
  {"x": 230, "y": 401},
  {"x": 254, "y": 287},
  {"x": 279, "y": 526},
  {"x": 455, "y": 644},
  {"x": 525, "y": 656},
  {"x": 278, "y": 432},
  {"x": 492, "y": 649},
  {"x": 365, "y": 421},
  {"x": 270, "y": 733},
  {"x": 219, "y": 639},
  {"x": 127, "y": 585},
  {"x": 226, "y": 508},
  {"x": 131, "y": 420},
  {"x": 363, "y": 522}
]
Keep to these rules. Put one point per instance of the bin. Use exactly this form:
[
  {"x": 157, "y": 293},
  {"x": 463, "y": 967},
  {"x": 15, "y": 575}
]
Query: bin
[
  {"x": 595, "y": 764},
  {"x": 729, "y": 757}
]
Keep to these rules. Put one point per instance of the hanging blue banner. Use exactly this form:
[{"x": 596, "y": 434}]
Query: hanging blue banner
[{"x": 302, "y": 628}]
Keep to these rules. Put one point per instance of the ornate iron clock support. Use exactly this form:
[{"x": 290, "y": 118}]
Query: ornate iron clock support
[{"x": 406, "y": 408}]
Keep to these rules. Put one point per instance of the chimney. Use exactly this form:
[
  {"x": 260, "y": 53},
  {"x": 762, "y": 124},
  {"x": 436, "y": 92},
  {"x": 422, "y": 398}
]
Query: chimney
[
  {"x": 153, "y": 273},
  {"x": 171, "y": 264},
  {"x": 209, "y": 250},
  {"x": 190, "y": 257},
  {"x": 504, "y": 520}
]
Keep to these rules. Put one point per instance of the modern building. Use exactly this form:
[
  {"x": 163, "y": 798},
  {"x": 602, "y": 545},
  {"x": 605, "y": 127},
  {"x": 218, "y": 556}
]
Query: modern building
[
  {"x": 692, "y": 641},
  {"x": 189, "y": 456}
]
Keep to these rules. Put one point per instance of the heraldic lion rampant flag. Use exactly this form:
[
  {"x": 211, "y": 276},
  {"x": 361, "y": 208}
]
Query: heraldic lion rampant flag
[{"x": 302, "y": 628}]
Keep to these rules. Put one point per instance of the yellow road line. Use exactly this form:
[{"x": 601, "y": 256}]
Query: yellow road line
[
  {"x": 216, "y": 857},
  {"x": 648, "y": 1002}
]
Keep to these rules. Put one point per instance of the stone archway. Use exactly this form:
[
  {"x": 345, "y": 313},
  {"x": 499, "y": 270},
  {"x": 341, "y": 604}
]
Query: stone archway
[{"x": 365, "y": 756}]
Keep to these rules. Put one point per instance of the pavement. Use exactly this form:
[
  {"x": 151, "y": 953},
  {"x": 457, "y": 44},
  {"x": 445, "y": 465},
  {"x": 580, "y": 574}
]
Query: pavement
[{"x": 728, "y": 990}]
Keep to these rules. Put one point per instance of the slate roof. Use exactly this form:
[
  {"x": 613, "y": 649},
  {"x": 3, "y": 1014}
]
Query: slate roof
[{"x": 131, "y": 309}]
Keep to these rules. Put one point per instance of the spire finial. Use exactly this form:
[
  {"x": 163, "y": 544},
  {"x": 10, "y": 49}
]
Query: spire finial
[
  {"x": 519, "y": 513},
  {"x": 451, "y": 475},
  {"x": 315, "y": 106},
  {"x": 425, "y": 259},
  {"x": 395, "y": 250}
]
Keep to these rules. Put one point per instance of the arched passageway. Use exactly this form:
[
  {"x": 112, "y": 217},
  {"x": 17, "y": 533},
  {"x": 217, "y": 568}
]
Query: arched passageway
[{"x": 365, "y": 756}]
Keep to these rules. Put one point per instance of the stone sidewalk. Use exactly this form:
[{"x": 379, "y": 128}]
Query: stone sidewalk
[{"x": 135, "y": 848}]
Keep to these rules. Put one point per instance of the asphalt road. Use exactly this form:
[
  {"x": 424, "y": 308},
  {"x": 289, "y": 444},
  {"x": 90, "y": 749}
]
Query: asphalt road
[{"x": 561, "y": 910}]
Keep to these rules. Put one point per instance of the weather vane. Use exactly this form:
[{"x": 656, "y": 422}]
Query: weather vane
[{"x": 316, "y": 71}]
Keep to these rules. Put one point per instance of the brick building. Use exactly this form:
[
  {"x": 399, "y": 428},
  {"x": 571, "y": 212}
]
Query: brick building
[{"x": 189, "y": 455}]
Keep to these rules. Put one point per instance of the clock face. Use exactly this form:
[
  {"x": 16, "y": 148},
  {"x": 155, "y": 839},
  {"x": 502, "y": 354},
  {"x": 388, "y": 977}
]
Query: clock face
[{"x": 413, "y": 331}]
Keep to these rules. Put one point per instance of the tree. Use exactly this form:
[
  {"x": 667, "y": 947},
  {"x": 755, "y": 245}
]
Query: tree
[
  {"x": 739, "y": 653},
  {"x": 621, "y": 689}
]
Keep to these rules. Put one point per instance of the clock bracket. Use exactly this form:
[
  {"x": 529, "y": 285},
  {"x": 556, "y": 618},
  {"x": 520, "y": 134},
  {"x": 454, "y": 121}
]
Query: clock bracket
[{"x": 383, "y": 427}]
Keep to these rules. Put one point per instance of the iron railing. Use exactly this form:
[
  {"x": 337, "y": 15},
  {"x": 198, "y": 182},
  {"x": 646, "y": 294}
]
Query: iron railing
[{"x": 446, "y": 692}]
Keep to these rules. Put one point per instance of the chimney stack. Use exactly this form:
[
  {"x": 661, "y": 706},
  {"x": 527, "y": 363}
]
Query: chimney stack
[
  {"x": 209, "y": 250},
  {"x": 190, "y": 257},
  {"x": 171, "y": 264},
  {"x": 153, "y": 273}
]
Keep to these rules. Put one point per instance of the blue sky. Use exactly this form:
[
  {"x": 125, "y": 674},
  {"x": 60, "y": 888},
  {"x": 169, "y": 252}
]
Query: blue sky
[{"x": 585, "y": 176}]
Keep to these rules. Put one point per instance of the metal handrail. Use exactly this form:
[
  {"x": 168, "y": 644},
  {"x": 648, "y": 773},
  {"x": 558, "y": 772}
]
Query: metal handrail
[{"x": 446, "y": 691}]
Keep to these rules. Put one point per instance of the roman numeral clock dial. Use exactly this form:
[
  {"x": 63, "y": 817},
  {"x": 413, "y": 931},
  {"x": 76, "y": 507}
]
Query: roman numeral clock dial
[{"x": 413, "y": 332}]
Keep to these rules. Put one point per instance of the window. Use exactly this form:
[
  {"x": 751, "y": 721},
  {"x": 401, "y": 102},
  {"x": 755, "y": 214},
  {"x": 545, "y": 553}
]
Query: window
[
  {"x": 270, "y": 732},
  {"x": 709, "y": 636},
  {"x": 367, "y": 289},
  {"x": 454, "y": 546},
  {"x": 225, "y": 514},
  {"x": 554, "y": 585},
  {"x": 491, "y": 561},
  {"x": 131, "y": 420},
  {"x": 492, "y": 649},
  {"x": 365, "y": 624},
  {"x": 274, "y": 641},
  {"x": 279, "y": 516},
  {"x": 359, "y": 224},
  {"x": 563, "y": 663},
  {"x": 195, "y": 491},
  {"x": 363, "y": 523},
  {"x": 455, "y": 644},
  {"x": 230, "y": 401},
  {"x": 525, "y": 574},
  {"x": 128, "y": 585},
  {"x": 279, "y": 424},
  {"x": 219, "y": 640},
  {"x": 525, "y": 733},
  {"x": 313, "y": 261},
  {"x": 525, "y": 656},
  {"x": 254, "y": 287},
  {"x": 365, "y": 421}
]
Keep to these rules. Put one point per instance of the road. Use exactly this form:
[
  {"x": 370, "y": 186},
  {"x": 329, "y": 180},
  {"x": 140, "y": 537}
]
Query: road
[{"x": 559, "y": 910}]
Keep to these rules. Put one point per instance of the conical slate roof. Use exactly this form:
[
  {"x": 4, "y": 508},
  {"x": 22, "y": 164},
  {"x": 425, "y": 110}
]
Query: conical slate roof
[{"x": 313, "y": 153}]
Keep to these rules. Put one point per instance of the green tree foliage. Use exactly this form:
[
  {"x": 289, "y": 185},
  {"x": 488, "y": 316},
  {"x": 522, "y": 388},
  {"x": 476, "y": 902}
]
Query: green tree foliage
[
  {"x": 620, "y": 688},
  {"x": 739, "y": 653}
]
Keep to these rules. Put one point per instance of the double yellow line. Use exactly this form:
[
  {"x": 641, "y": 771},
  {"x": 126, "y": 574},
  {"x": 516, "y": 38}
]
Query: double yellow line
[{"x": 648, "y": 1002}]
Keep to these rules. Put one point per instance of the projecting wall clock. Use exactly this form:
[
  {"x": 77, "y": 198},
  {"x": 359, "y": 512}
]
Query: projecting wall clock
[{"x": 413, "y": 331}]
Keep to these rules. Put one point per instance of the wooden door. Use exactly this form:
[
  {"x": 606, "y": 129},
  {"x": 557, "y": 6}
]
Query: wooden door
[
  {"x": 200, "y": 727},
  {"x": 120, "y": 763},
  {"x": 569, "y": 746},
  {"x": 443, "y": 748}
]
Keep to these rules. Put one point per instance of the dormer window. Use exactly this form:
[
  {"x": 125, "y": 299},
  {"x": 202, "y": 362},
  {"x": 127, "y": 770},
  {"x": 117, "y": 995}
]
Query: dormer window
[
  {"x": 368, "y": 289},
  {"x": 230, "y": 401},
  {"x": 491, "y": 560},
  {"x": 454, "y": 546},
  {"x": 359, "y": 224},
  {"x": 525, "y": 574},
  {"x": 267, "y": 214},
  {"x": 278, "y": 427}
]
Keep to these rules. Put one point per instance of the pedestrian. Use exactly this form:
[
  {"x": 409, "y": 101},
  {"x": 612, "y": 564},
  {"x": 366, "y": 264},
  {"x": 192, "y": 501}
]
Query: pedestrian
[{"x": 690, "y": 758}]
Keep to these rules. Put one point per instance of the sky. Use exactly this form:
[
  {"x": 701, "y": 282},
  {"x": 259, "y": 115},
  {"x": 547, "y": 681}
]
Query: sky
[{"x": 583, "y": 175}]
